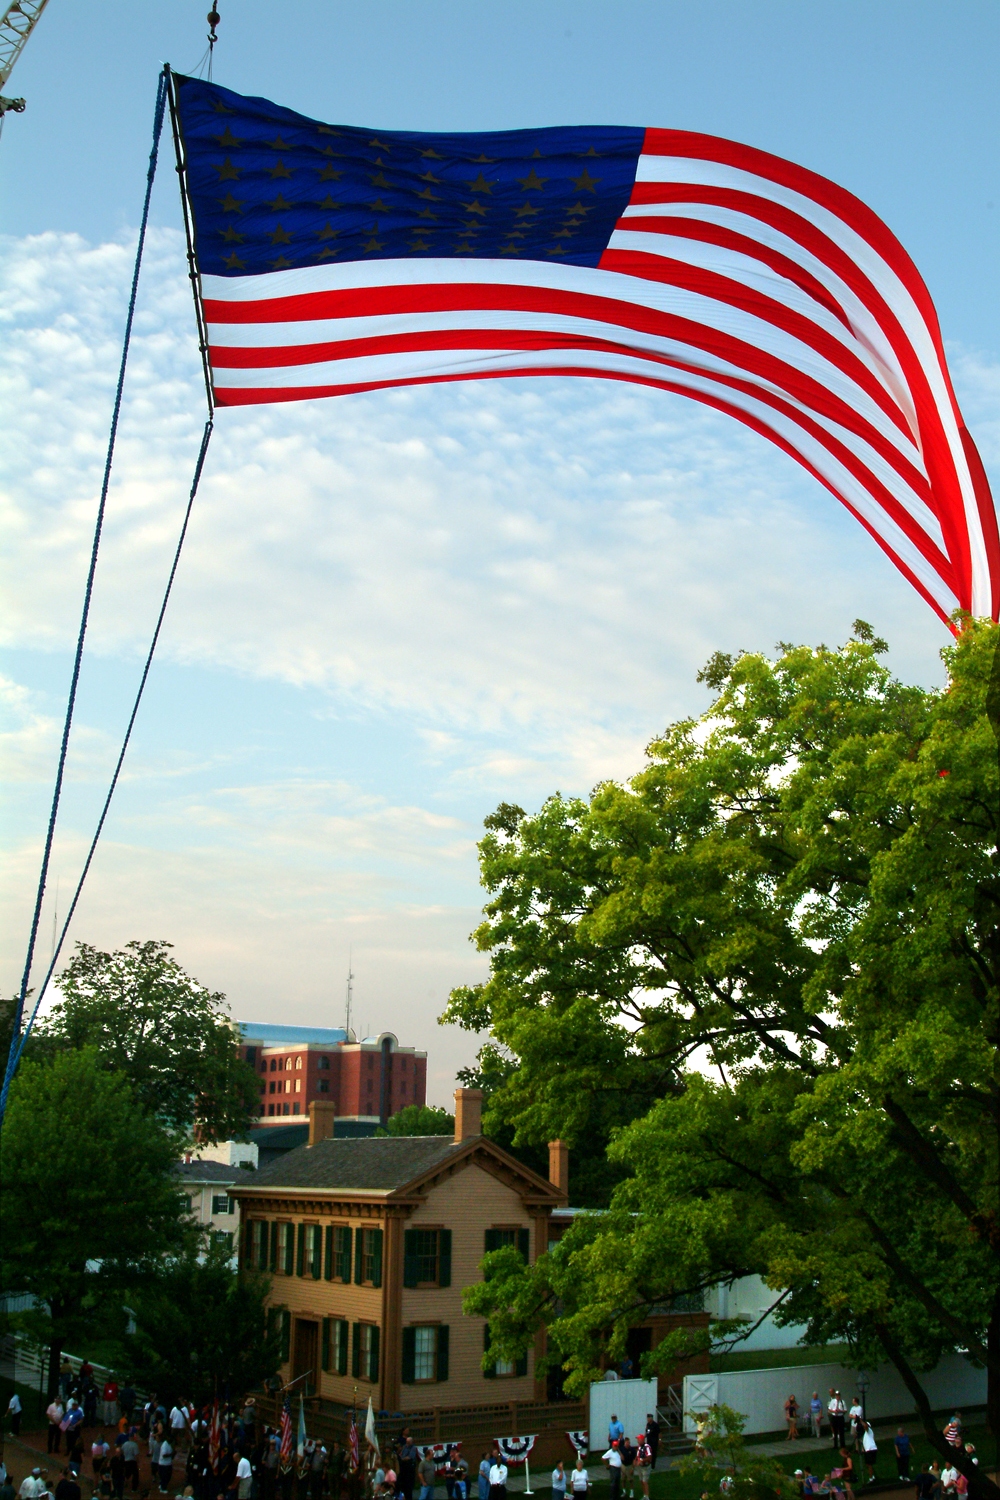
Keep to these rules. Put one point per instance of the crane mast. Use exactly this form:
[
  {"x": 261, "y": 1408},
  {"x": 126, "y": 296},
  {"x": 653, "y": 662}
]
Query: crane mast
[{"x": 18, "y": 22}]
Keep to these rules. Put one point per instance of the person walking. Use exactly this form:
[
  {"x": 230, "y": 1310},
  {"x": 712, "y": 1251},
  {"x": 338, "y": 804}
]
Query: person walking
[
  {"x": 244, "y": 1478},
  {"x": 116, "y": 1473},
  {"x": 14, "y": 1413},
  {"x": 627, "y": 1453},
  {"x": 72, "y": 1423},
  {"x": 498, "y": 1478},
  {"x": 579, "y": 1479},
  {"x": 178, "y": 1425},
  {"x": 613, "y": 1459},
  {"x": 901, "y": 1445},
  {"x": 643, "y": 1463},
  {"x": 165, "y": 1465},
  {"x": 55, "y": 1413},
  {"x": 837, "y": 1413},
  {"x": 816, "y": 1414},
  {"x": 652, "y": 1437},
  {"x": 559, "y": 1482},
  {"x": 99, "y": 1451},
  {"x": 869, "y": 1450},
  {"x": 856, "y": 1417},
  {"x": 109, "y": 1400},
  {"x": 792, "y": 1418}
]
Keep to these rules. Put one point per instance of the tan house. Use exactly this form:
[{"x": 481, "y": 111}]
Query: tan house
[{"x": 370, "y": 1243}]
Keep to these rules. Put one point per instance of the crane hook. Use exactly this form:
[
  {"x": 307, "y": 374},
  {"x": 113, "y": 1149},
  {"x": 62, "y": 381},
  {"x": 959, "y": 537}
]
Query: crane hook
[{"x": 213, "y": 18}]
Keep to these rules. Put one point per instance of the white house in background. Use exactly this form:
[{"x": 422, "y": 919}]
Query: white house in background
[
  {"x": 750, "y": 1298},
  {"x": 207, "y": 1185},
  {"x": 230, "y": 1154}
]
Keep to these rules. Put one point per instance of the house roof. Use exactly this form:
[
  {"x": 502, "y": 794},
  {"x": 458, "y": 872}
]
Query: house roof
[
  {"x": 212, "y": 1171},
  {"x": 384, "y": 1165}
]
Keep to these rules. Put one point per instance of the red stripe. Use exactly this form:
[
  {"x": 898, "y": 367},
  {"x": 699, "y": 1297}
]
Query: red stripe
[
  {"x": 734, "y": 294},
  {"x": 716, "y": 234},
  {"x": 808, "y": 392},
  {"x": 243, "y": 396},
  {"x": 937, "y": 452}
]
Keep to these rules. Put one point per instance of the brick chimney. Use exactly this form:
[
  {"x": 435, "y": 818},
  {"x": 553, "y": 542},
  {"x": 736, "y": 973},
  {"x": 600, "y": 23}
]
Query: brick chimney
[
  {"x": 322, "y": 1115},
  {"x": 468, "y": 1114},
  {"x": 559, "y": 1167}
]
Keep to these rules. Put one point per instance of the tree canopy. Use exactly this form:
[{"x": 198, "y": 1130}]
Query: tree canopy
[
  {"x": 87, "y": 1200},
  {"x": 420, "y": 1119},
  {"x": 202, "y": 1328},
  {"x": 171, "y": 1035},
  {"x": 775, "y": 955}
]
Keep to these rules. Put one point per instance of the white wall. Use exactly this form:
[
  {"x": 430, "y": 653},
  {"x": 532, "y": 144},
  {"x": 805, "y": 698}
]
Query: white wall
[
  {"x": 761, "y": 1394},
  {"x": 749, "y": 1298},
  {"x": 630, "y": 1400},
  {"x": 231, "y": 1153}
]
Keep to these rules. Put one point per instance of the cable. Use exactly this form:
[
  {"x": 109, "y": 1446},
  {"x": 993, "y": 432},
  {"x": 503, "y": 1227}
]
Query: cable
[
  {"x": 118, "y": 765},
  {"x": 161, "y": 96}
]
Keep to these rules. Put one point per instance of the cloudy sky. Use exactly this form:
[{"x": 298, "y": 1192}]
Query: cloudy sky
[{"x": 398, "y": 609}]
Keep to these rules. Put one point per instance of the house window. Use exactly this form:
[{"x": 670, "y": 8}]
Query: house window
[
  {"x": 366, "y": 1342},
  {"x": 259, "y": 1244},
  {"x": 340, "y": 1253},
  {"x": 274, "y": 1064},
  {"x": 504, "y": 1366},
  {"x": 271, "y": 1090},
  {"x": 252, "y": 1056},
  {"x": 371, "y": 1256},
  {"x": 222, "y": 1204},
  {"x": 284, "y": 1109},
  {"x": 286, "y": 1249},
  {"x": 295, "y": 1109},
  {"x": 298, "y": 1061},
  {"x": 426, "y": 1257},
  {"x": 323, "y": 1086},
  {"x": 425, "y": 1353},
  {"x": 298, "y": 1085},
  {"x": 222, "y": 1237},
  {"x": 336, "y": 1344},
  {"x": 312, "y": 1251},
  {"x": 323, "y": 1062},
  {"x": 495, "y": 1239}
]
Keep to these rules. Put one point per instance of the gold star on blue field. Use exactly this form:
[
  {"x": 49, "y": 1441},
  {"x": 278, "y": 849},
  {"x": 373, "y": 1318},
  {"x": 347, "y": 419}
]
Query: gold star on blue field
[{"x": 484, "y": 195}]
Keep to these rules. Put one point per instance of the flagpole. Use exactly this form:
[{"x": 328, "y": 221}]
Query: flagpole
[{"x": 527, "y": 1477}]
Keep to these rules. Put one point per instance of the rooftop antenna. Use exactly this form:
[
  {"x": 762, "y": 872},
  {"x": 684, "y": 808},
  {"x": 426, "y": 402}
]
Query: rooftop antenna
[{"x": 350, "y": 995}]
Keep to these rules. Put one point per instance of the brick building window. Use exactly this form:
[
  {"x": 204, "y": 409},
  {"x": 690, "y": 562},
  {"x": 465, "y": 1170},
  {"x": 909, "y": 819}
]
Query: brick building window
[
  {"x": 323, "y": 1086},
  {"x": 323, "y": 1062},
  {"x": 425, "y": 1353},
  {"x": 298, "y": 1061},
  {"x": 272, "y": 1085},
  {"x": 274, "y": 1064},
  {"x": 298, "y": 1085}
]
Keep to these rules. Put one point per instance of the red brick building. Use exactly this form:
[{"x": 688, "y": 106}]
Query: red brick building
[{"x": 366, "y": 1081}]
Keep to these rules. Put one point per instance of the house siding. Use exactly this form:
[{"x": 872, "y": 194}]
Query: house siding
[{"x": 468, "y": 1203}]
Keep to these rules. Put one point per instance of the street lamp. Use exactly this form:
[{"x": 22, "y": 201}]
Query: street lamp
[{"x": 863, "y": 1385}]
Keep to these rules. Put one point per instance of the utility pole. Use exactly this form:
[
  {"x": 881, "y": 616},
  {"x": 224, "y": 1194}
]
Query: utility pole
[{"x": 16, "y": 25}]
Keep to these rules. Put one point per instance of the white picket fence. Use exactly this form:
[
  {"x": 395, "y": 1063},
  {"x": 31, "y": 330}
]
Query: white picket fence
[{"x": 760, "y": 1395}]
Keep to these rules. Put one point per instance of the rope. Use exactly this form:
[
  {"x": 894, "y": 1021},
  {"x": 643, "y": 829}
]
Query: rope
[
  {"x": 161, "y": 96},
  {"x": 200, "y": 464}
]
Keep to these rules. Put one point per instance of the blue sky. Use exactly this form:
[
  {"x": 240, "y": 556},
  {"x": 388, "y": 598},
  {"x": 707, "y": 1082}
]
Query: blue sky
[{"x": 398, "y": 609}]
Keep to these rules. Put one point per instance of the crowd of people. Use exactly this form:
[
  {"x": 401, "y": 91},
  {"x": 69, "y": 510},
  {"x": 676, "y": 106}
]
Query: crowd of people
[{"x": 852, "y": 1434}]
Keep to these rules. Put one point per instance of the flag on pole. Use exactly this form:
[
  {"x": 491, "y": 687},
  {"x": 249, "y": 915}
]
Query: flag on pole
[
  {"x": 353, "y": 1448},
  {"x": 285, "y": 1447},
  {"x": 333, "y": 259},
  {"x": 371, "y": 1437},
  {"x": 214, "y": 1438},
  {"x": 300, "y": 1446}
]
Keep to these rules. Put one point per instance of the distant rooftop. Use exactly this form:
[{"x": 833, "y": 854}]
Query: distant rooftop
[{"x": 264, "y": 1031}]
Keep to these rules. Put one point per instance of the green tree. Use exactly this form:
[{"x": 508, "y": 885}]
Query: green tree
[
  {"x": 202, "y": 1328},
  {"x": 419, "y": 1119},
  {"x": 168, "y": 1033},
  {"x": 720, "y": 1445},
  {"x": 786, "y": 929},
  {"x": 87, "y": 1200}
]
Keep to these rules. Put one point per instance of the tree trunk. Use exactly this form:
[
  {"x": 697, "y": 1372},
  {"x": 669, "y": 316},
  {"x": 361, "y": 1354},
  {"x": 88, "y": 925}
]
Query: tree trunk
[
  {"x": 992, "y": 1378},
  {"x": 55, "y": 1360},
  {"x": 980, "y": 1487}
]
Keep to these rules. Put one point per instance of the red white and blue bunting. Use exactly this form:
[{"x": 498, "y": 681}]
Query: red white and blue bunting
[
  {"x": 580, "y": 1441},
  {"x": 515, "y": 1450}
]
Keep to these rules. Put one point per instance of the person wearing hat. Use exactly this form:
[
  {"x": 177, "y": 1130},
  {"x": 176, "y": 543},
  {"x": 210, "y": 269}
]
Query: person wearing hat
[
  {"x": 643, "y": 1462},
  {"x": 613, "y": 1459}
]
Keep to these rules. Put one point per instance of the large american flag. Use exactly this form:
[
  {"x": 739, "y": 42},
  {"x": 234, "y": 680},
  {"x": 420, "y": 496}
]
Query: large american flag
[
  {"x": 334, "y": 259},
  {"x": 285, "y": 1446}
]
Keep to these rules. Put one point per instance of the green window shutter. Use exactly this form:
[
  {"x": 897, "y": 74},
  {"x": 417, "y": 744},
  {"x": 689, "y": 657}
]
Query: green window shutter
[
  {"x": 444, "y": 1257},
  {"x": 317, "y": 1252},
  {"x": 344, "y": 1252},
  {"x": 521, "y": 1368},
  {"x": 442, "y": 1359},
  {"x": 328, "y": 1261},
  {"x": 325, "y": 1355},
  {"x": 286, "y": 1337},
  {"x": 524, "y": 1243},
  {"x": 491, "y": 1371},
  {"x": 300, "y": 1264},
  {"x": 373, "y": 1371},
  {"x": 345, "y": 1330},
  {"x": 356, "y": 1352},
  {"x": 272, "y": 1259},
  {"x": 377, "y": 1257},
  {"x": 410, "y": 1267},
  {"x": 289, "y": 1249},
  {"x": 409, "y": 1355},
  {"x": 359, "y": 1255},
  {"x": 492, "y": 1240}
]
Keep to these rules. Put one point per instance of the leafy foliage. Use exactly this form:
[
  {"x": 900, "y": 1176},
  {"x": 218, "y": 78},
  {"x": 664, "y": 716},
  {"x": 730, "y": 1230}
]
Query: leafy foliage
[
  {"x": 420, "y": 1119},
  {"x": 748, "y": 1475},
  {"x": 168, "y": 1033},
  {"x": 769, "y": 969},
  {"x": 87, "y": 1203},
  {"x": 202, "y": 1328}
]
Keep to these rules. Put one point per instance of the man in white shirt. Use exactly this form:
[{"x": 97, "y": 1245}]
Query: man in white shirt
[
  {"x": 14, "y": 1412},
  {"x": 838, "y": 1411},
  {"x": 869, "y": 1448},
  {"x": 33, "y": 1486},
  {"x": 54, "y": 1412},
  {"x": 948, "y": 1477},
  {"x": 244, "y": 1478},
  {"x": 178, "y": 1425},
  {"x": 613, "y": 1459},
  {"x": 498, "y": 1479},
  {"x": 857, "y": 1420}
]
